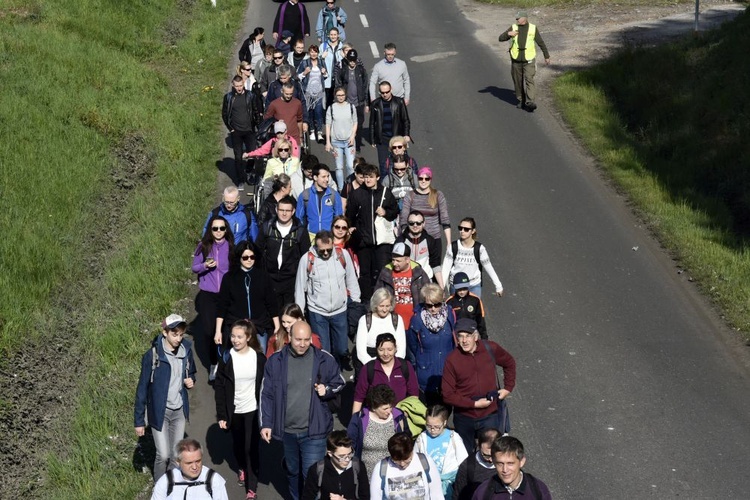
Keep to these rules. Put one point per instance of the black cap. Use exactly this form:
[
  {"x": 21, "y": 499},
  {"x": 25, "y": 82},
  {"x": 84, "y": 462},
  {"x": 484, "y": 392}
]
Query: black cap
[{"x": 352, "y": 55}]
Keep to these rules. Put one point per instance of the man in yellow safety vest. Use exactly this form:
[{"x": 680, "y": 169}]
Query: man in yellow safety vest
[{"x": 523, "y": 35}]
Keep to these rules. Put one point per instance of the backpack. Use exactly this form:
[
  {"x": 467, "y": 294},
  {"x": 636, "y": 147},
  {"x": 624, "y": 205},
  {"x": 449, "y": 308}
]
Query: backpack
[
  {"x": 311, "y": 259},
  {"x": 368, "y": 320},
  {"x": 351, "y": 107},
  {"x": 384, "y": 467},
  {"x": 536, "y": 493},
  {"x": 415, "y": 412},
  {"x": 155, "y": 361},
  {"x": 207, "y": 483},
  {"x": 320, "y": 465},
  {"x": 248, "y": 215},
  {"x": 502, "y": 406},
  {"x": 371, "y": 374},
  {"x": 477, "y": 249}
]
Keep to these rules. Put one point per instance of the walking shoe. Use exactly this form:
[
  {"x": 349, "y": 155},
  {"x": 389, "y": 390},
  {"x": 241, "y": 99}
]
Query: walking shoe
[
  {"x": 241, "y": 478},
  {"x": 519, "y": 105},
  {"x": 321, "y": 138},
  {"x": 241, "y": 186},
  {"x": 212, "y": 373},
  {"x": 251, "y": 495},
  {"x": 530, "y": 106}
]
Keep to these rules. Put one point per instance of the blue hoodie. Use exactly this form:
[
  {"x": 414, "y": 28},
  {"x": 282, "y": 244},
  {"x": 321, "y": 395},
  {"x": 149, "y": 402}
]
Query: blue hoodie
[{"x": 318, "y": 213}]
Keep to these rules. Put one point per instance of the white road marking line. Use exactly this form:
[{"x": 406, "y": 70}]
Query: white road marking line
[
  {"x": 374, "y": 50},
  {"x": 433, "y": 57},
  {"x": 364, "y": 21}
]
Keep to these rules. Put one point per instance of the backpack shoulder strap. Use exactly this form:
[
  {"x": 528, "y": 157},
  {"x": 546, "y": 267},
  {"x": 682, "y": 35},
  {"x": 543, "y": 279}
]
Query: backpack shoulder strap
[
  {"x": 454, "y": 249},
  {"x": 340, "y": 256},
  {"x": 394, "y": 320},
  {"x": 355, "y": 470},
  {"x": 405, "y": 370},
  {"x": 310, "y": 261},
  {"x": 154, "y": 360},
  {"x": 319, "y": 466},
  {"x": 216, "y": 211},
  {"x": 370, "y": 372},
  {"x": 383, "y": 468},
  {"x": 368, "y": 320},
  {"x": 305, "y": 193},
  {"x": 209, "y": 483},
  {"x": 170, "y": 482},
  {"x": 477, "y": 251}
]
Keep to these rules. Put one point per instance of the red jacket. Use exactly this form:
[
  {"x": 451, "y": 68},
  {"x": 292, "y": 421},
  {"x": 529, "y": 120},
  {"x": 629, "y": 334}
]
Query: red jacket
[{"x": 468, "y": 377}]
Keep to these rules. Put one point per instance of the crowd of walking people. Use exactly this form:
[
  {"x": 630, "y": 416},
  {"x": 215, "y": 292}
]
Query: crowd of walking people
[{"x": 337, "y": 274}]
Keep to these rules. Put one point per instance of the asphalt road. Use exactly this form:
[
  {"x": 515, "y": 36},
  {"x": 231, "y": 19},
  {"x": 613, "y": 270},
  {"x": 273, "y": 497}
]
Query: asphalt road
[{"x": 628, "y": 385}]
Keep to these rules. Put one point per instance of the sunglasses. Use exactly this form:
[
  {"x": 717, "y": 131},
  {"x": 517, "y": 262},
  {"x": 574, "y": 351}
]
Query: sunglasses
[
  {"x": 284, "y": 149},
  {"x": 433, "y": 306},
  {"x": 398, "y": 146},
  {"x": 248, "y": 257},
  {"x": 278, "y": 57},
  {"x": 385, "y": 93},
  {"x": 340, "y": 227},
  {"x": 325, "y": 251},
  {"x": 219, "y": 228},
  {"x": 399, "y": 169},
  {"x": 465, "y": 229},
  {"x": 416, "y": 222},
  {"x": 425, "y": 178},
  {"x": 246, "y": 69}
]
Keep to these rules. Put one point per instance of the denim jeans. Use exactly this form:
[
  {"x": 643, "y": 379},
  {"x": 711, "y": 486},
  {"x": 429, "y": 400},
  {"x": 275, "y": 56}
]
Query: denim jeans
[
  {"x": 300, "y": 453},
  {"x": 315, "y": 117},
  {"x": 344, "y": 152},
  {"x": 172, "y": 430},
  {"x": 332, "y": 331},
  {"x": 466, "y": 427},
  {"x": 263, "y": 340}
]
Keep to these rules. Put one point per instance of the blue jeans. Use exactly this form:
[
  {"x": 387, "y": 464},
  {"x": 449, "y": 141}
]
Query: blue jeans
[
  {"x": 332, "y": 331},
  {"x": 172, "y": 430},
  {"x": 300, "y": 453},
  {"x": 263, "y": 340},
  {"x": 466, "y": 427},
  {"x": 315, "y": 116},
  {"x": 343, "y": 152}
]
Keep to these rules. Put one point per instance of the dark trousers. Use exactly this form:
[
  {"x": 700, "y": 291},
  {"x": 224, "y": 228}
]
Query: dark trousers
[
  {"x": 246, "y": 444},
  {"x": 466, "y": 427},
  {"x": 206, "y": 304},
  {"x": 372, "y": 259},
  {"x": 284, "y": 290},
  {"x": 241, "y": 139},
  {"x": 360, "y": 123},
  {"x": 383, "y": 152}
]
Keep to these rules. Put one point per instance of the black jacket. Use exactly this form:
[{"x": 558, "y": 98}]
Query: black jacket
[
  {"x": 224, "y": 385},
  {"x": 360, "y": 210},
  {"x": 245, "y": 54},
  {"x": 341, "y": 76},
  {"x": 400, "y": 116},
  {"x": 233, "y": 299},
  {"x": 333, "y": 482},
  {"x": 295, "y": 245},
  {"x": 469, "y": 307},
  {"x": 250, "y": 98}
]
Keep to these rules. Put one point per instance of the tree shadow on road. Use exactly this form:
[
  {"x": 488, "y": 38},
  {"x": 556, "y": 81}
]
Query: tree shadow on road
[{"x": 506, "y": 95}]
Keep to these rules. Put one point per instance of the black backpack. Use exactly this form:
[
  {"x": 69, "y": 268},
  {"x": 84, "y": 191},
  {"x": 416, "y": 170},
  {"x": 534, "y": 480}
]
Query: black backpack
[
  {"x": 248, "y": 210},
  {"x": 320, "y": 465},
  {"x": 207, "y": 483},
  {"x": 477, "y": 249},
  {"x": 371, "y": 371}
]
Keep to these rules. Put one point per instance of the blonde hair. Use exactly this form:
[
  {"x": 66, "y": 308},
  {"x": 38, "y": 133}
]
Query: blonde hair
[
  {"x": 240, "y": 66},
  {"x": 432, "y": 292},
  {"x": 281, "y": 142}
]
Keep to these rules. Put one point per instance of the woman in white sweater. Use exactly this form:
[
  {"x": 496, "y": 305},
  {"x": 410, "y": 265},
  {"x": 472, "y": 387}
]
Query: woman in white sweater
[
  {"x": 382, "y": 319},
  {"x": 469, "y": 256}
]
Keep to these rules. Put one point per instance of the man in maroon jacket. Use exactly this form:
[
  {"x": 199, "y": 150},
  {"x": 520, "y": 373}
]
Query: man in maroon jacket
[{"x": 470, "y": 382}]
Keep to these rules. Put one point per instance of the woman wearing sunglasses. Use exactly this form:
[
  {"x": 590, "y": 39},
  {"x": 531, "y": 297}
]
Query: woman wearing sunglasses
[
  {"x": 211, "y": 263},
  {"x": 430, "y": 339},
  {"x": 398, "y": 146},
  {"x": 246, "y": 293},
  {"x": 431, "y": 203},
  {"x": 282, "y": 161},
  {"x": 467, "y": 255},
  {"x": 246, "y": 73}
]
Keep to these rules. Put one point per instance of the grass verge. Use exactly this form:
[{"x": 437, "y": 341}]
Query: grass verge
[
  {"x": 109, "y": 140},
  {"x": 674, "y": 139},
  {"x": 530, "y": 4}
]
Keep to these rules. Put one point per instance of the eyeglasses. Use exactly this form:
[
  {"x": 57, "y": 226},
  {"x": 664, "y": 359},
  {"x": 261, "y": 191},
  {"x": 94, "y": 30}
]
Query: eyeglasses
[
  {"x": 486, "y": 456},
  {"x": 425, "y": 178},
  {"x": 325, "y": 251},
  {"x": 231, "y": 203},
  {"x": 434, "y": 427},
  {"x": 219, "y": 228},
  {"x": 286, "y": 150},
  {"x": 340, "y": 95},
  {"x": 416, "y": 222},
  {"x": 248, "y": 257},
  {"x": 433, "y": 306},
  {"x": 343, "y": 458},
  {"x": 398, "y": 146},
  {"x": 284, "y": 210},
  {"x": 340, "y": 227},
  {"x": 465, "y": 229}
]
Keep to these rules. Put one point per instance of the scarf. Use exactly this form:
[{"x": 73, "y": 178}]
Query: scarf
[{"x": 435, "y": 322}]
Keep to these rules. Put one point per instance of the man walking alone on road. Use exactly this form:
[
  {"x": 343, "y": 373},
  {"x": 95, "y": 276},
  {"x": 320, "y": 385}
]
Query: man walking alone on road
[{"x": 523, "y": 35}]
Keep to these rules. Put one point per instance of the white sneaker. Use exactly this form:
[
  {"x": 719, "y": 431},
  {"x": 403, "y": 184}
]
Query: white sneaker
[
  {"x": 212, "y": 373},
  {"x": 321, "y": 137}
]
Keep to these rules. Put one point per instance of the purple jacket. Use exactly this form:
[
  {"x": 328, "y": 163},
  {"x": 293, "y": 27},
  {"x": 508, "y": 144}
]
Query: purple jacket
[
  {"x": 210, "y": 280},
  {"x": 358, "y": 426},
  {"x": 401, "y": 387}
]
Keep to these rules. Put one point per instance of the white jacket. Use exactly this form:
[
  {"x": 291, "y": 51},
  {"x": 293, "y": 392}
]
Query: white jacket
[{"x": 456, "y": 451}]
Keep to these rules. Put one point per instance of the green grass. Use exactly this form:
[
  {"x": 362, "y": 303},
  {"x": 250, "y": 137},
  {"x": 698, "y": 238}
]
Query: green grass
[
  {"x": 87, "y": 86},
  {"x": 530, "y": 4},
  {"x": 674, "y": 138}
]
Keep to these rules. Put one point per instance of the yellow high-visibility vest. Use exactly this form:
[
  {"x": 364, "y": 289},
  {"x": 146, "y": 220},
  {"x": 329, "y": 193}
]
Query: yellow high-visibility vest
[{"x": 530, "y": 52}]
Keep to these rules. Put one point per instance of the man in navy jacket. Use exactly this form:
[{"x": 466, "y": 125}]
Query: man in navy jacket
[{"x": 297, "y": 383}]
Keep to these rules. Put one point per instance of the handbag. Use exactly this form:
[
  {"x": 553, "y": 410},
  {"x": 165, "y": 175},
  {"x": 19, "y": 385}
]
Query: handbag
[{"x": 384, "y": 234}]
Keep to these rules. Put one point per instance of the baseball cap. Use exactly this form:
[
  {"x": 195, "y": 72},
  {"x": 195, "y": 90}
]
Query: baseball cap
[
  {"x": 466, "y": 325},
  {"x": 173, "y": 321},
  {"x": 352, "y": 55},
  {"x": 461, "y": 280},
  {"x": 279, "y": 126},
  {"x": 521, "y": 13},
  {"x": 401, "y": 250},
  {"x": 287, "y": 34}
]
